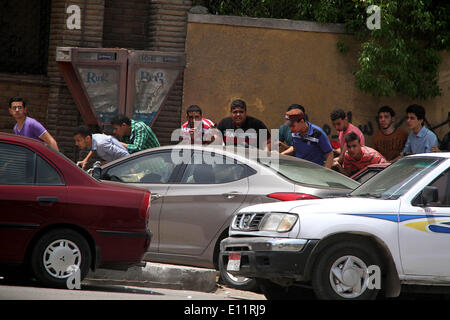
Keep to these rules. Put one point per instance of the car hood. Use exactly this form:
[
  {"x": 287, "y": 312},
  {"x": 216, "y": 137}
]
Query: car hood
[{"x": 333, "y": 205}]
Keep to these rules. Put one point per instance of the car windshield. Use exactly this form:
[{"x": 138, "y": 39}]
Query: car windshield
[
  {"x": 394, "y": 181},
  {"x": 308, "y": 173}
]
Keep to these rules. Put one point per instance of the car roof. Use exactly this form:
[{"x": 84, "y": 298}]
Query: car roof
[{"x": 242, "y": 154}]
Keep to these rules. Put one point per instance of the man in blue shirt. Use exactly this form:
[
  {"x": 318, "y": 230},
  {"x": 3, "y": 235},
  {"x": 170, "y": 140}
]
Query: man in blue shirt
[
  {"x": 107, "y": 147},
  {"x": 309, "y": 141},
  {"x": 285, "y": 134},
  {"x": 420, "y": 139}
]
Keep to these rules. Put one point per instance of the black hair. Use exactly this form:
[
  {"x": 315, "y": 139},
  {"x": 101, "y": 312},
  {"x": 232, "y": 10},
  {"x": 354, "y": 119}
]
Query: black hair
[
  {"x": 352, "y": 137},
  {"x": 193, "y": 108},
  {"x": 296, "y": 106},
  {"x": 387, "y": 109},
  {"x": 83, "y": 131},
  {"x": 418, "y": 110},
  {"x": 238, "y": 103},
  {"x": 119, "y": 119},
  {"x": 338, "y": 114},
  {"x": 17, "y": 99}
]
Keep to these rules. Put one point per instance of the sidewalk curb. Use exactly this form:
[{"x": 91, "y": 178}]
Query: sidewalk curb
[{"x": 158, "y": 275}]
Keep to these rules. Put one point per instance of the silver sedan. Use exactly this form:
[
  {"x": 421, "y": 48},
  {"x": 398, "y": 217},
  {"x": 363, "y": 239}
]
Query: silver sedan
[{"x": 196, "y": 190}]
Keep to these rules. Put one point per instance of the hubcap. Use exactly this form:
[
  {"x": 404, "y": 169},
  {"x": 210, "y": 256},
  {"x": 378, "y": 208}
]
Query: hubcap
[
  {"x": 348, "y": 277},
  {"x": 59, "y": 255}
]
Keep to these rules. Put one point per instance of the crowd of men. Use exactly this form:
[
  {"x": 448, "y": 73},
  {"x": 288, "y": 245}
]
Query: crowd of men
[{"x": 297, "y": 136}]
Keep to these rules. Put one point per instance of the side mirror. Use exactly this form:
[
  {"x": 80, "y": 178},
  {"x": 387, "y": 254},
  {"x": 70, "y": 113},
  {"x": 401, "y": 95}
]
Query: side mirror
[{"x": 429, "y": 195}]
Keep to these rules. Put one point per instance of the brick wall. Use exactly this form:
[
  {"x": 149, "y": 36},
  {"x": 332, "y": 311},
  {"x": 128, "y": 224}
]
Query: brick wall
[
  {"x": 167, "y": 32},
  {"x": 63, "y": 115},
  {"x": 125, "y": 24}
]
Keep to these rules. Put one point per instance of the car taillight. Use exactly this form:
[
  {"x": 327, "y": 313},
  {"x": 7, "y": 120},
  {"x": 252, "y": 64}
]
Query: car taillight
[
  {"x": 144, "y": 212},
  {"x": 291, "y": 196}
]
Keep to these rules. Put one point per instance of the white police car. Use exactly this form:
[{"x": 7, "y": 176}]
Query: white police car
[{"x": 392, "y": 230}]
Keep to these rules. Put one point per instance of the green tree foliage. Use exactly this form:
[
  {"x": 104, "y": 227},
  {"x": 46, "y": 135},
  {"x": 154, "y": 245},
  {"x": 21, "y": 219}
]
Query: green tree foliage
[{"x": 402, "y": 57}]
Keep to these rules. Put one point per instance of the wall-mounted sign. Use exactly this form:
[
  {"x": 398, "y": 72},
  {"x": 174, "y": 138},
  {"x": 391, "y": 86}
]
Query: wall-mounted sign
[{"x": 105, "y": 82}]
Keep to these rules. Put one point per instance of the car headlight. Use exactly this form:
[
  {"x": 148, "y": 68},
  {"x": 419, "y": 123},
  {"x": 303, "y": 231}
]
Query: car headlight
[{"x": 279, "y": 222}]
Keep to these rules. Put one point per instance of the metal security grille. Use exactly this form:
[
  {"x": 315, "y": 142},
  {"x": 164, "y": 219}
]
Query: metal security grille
[{"x": 24, "y": 30}]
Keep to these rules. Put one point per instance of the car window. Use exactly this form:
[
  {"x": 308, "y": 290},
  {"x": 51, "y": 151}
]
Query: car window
[
  {"x": 21, "y": 166},
  {"x": 367, "y": 175},
  {"x": 442, "y": 183},
  {"x": 308, "y": 173},
  {"x": 16, "y": 164},
  {"x": 399, "y": 177},
  {"x": 46, "y": 174},
  {"x": 149, "y": 168},
  {"x": 213, "y": 169}
]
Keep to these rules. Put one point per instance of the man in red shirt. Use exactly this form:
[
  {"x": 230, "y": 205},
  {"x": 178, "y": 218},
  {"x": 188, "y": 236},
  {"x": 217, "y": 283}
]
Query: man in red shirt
[
  {"x": 343, "y": 127},
  {"x": 357, "y": 156},
  {"x": 192, "y": 132}
]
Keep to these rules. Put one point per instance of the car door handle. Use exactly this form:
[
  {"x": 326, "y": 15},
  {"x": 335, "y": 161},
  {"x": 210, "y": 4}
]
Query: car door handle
[
  {"x": 231, "y": 195},
  {"x": 47, "y": 200},
  {"x": 155, "y": 196}
]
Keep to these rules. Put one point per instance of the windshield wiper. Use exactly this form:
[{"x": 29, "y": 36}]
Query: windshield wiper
[{"x": 370, "y": 195}]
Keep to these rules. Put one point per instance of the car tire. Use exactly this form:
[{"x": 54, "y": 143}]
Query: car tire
[
  {"x": 274, "y": 291},
  {"x": 341, "y": 272},
  {"x": 54, "y": 252},
  {"x": 241, "y": 283}
]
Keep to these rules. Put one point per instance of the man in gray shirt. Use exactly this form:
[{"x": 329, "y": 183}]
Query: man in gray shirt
[{"x": 107, "y": 147}]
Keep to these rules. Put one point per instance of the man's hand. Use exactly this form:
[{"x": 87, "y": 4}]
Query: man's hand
[{"x": 82, "y": 164}]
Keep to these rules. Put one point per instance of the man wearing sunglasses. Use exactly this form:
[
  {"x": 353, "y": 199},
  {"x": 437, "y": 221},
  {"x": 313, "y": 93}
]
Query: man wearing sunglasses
[{"x": 27, "y": 126}]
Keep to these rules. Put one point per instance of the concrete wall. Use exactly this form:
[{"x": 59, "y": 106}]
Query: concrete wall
[{"x": 273, "y": 63}]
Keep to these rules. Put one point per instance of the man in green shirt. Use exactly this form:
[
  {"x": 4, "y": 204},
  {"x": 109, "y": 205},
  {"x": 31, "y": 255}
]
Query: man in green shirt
[{"x": 134, "y": 135}]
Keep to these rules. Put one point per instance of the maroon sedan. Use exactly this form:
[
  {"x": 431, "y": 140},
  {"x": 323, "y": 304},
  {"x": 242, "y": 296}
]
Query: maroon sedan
[{"x": 53, "y": 215}]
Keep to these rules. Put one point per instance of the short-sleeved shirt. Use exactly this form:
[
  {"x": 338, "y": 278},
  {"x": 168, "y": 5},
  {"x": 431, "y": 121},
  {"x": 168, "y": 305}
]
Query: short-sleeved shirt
[
  {"x": 390, "y": 146},
  {"x": 420, "y": 143},
  {"x": 445, "y": 143},
  {"x": 206, "y": 126},
  {"x": 313, "y": 146},
  {"x": 369, "y": 156},
  {"x": 107, "y": 147},
  {"x": 141, "y": 137},
  {"x": 31, "y": 129},
  {"x": 285, "y": 135},
  {"x": 247, "y": 135},
  {"x": 351, "y": 128}
]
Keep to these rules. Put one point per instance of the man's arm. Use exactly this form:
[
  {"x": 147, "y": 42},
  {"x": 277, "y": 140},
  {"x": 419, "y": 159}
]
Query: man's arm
[
  {"x": 289, "y": 151},
  {"x": 84, "y": 162},
  {"x": 328, "y": 160},
  {"x": 47, "y": 137}
]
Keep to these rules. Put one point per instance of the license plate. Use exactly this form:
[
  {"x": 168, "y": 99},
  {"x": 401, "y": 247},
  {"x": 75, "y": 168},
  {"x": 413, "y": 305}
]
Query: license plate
[{"x": 234, "y": 262}]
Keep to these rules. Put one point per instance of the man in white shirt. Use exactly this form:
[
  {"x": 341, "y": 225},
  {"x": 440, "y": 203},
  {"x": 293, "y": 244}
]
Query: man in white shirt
[{"x": 107, "y": 147}]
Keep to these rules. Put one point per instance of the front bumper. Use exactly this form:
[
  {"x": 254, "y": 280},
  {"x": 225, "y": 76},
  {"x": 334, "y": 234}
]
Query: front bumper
[{"x": 264, "y": 257}]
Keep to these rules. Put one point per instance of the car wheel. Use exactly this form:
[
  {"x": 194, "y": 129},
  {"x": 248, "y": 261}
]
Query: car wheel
[
  {"x": 341, "y": 272},
  {"x": 54, "y": 252},
  {"x": 274, "y": 291},
  {"x": 241, "y": 283}
]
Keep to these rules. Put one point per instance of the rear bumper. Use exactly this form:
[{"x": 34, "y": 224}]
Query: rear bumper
[
  {"x": 263, "y": 257},
  {"x": 120, "y": 250}
]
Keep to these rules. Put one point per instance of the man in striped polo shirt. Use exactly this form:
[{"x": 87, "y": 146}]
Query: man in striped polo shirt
[
  {"x": 358, "y": 157},
  {"x": 191, "y": 132},
  {"x": 134, "y": 135}
]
